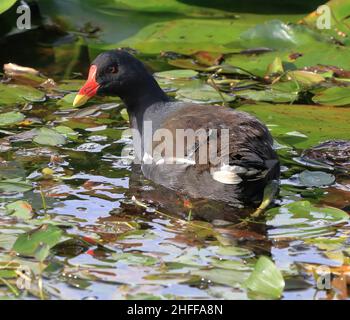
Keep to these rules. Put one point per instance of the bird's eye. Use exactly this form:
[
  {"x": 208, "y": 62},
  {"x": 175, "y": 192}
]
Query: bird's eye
[{"x": 112, "y": 70}]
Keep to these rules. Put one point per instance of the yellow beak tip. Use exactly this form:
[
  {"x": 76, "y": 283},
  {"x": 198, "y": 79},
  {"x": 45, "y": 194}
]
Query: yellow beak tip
[{"x": 80, "y": 100}]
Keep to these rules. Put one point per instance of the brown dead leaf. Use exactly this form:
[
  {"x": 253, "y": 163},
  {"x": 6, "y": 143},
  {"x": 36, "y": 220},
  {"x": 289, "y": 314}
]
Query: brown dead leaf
[
  {"x": 208, "y": 58},
  {"x": 12, "y": 69}
]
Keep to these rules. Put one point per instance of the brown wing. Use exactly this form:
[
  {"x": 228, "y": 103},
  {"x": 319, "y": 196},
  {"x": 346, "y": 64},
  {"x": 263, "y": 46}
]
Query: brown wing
[{"x": 249, "y": 147}]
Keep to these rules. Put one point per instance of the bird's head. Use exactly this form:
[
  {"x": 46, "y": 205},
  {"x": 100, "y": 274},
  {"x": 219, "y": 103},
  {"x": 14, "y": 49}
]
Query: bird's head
[{"x": 113, "y": 73}]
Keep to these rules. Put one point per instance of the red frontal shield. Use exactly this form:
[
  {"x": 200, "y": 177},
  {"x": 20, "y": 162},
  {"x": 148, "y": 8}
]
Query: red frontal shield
[{"x": 88, "y": 90}]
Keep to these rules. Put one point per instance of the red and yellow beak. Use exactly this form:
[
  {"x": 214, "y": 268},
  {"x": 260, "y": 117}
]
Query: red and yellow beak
[{"x": 88, "y": 90}]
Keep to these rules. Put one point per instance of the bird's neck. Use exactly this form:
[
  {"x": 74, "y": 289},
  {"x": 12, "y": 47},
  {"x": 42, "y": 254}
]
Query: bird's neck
[{"x": 141, "y": 98}]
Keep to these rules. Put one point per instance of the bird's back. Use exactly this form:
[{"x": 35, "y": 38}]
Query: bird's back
[{"x": 244, "y": 160}]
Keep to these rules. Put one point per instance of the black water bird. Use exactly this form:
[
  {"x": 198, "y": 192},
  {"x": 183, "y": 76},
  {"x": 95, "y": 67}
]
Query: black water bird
[{"x": 245, "y": 161}]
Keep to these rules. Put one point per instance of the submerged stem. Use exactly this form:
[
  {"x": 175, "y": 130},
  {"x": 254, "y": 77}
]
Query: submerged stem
[
  {"x": 43, "y": 200},
  {"x": 269, "y": 194},
  {"x": 224, "y": 102},
  {"x": 10, "y": 286}
]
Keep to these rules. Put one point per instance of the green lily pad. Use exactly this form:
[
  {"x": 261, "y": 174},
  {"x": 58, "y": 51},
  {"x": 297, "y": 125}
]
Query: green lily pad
[
  {"x": 279, "y": 92},
  {"x": 136, "y": 259},
  {"x": 305, "y": 78},
  {"x": 206, "y": 34},
  {"x": 275, "y": 67},
  {"x": 268, "y": 95},
  {"x": 124, "y": 114},
  {"x": 328, "y": 244},
  {"x": 70, "y": 85},
  {"x": 230, "y": 265},
  {"x": 8, "y": 274},
  {"x": 30, "y": 243},
  {"x": 266, "y": 279},
  {"x": 302, "y": 219},
  {"x": 9, "y": 118},
  {"x": 49, "y": 137},
  {"x": 67, "y": 101},
  {"x": 177, "y": 74},
  {"x": 20, "y": 209},
  {"x": 313, "y": 123},
  {"x": 7, "y": 241},
  {"x": 11, "y": 94},
  {"x": 15, "y": 185},
  {"x": 42, "y": 252},
  {"x": 204, "y": 94},
  {"x": 233, "y": 251},
  {"x": 340, "y": 16},
  {"x": 153, "y": 6},
  {"x": 143, "y": 296},
  {"x": 276, "y": 34},
  {"x": 312, "y": 54},
  {"x": 334, "y": 96},
  {"x": 316, "y": 178},
  {"x": 187, "y": 64},
  {"x": 67, "y": 132},
  {"x": 6, "y": 4}
]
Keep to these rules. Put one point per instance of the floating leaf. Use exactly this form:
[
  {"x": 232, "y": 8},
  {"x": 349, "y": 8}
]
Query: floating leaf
[
  {"x": 124, "y": 114},
  {"x": 204, "y": 94},
  {"x": 306, "y": 78},
  {"x": 206, "y": 34},
  {"x": 316, "y": 178},
  {"x": 49, "y": 137},
  {"x": 208, "y": 58},
  {"x": 302, "y": 219},
  {"x": 136, "y": 259},
  {"x": 233, "y": 251},
  {"x": 8, "y": 274},
  {"x": 156, "y": 7},
  {"x": 311, "y": 54},
  {"x": 177, "y": 74},
  {"x": 67, "y": 132},
  {"x": 340, "y": 10},
  {"x": 11, "y": 94},
  {"x": 187, "y": 64},
  {"x": 266, "y": 279},
  {"x": 7, "y": 241},
  {"x": 6, "y": 4},
  {"x": 9, "y": 118},
  {"x": 70, "y": 85},
  {"x": 334, "y": 96},
  {"x": 230, "y": 265},
  {"x": 279, "y": 92},
  {"x": 268, "y": 95},
  {"x": 30, "y": 243},
  {"x": 276, "y": 34},
  {"x": 42, "y": 252},
  {"x": 67, "y": 101},
  {"x": 275, "y": 67},
  {"x": 20, "y": 209},
  {"x": 143, "y": 296},
  {"x": 15, "y": 185},
  {"x": 318, "y": 124}
]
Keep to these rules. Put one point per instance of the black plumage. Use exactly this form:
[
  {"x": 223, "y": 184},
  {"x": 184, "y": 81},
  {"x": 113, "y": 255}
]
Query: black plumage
[{"x": 250, "y": 163}]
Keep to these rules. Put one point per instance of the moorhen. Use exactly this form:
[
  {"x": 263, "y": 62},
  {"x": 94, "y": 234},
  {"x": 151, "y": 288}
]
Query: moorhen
[{"x": 241, "y": 147}]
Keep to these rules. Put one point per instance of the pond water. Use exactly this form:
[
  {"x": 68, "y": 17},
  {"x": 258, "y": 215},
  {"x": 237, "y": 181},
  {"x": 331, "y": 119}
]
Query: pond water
[{"x": 120, "y": 235}]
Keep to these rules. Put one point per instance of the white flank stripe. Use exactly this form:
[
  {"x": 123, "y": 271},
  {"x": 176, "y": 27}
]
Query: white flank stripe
[{"x": 227, "y": 177}]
